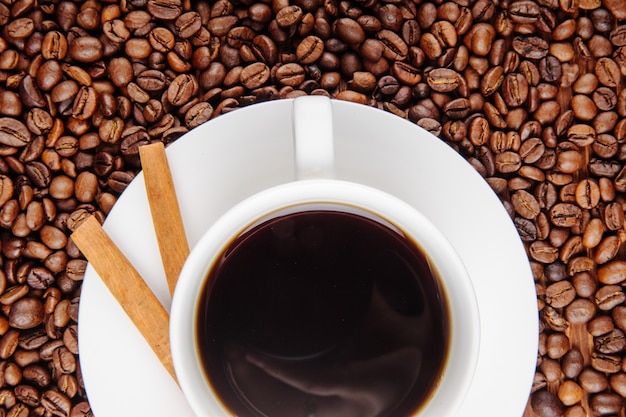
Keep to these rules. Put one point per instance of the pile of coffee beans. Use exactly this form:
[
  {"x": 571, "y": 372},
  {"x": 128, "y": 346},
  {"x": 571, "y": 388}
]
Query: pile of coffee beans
[{"x": 530, "y": 92}]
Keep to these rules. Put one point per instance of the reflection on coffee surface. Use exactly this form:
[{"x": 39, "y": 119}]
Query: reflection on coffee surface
[{"x": 323, "y": 312}]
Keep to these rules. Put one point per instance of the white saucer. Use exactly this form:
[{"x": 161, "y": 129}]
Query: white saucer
[{"x": 240, "y": 153}]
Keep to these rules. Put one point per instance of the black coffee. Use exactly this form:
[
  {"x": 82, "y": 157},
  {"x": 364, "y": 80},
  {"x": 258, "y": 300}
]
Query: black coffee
[{"x": 323, "y": 313}]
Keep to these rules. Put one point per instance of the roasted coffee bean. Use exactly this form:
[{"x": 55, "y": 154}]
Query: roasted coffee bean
[
  {"x": 394, "y": 46},
  {"x": 26, "y": 313},
  {"x": 545, "y": 404},
  {"x": 182, "y": 88},
  {"x": 604, "y": 404},
  {"x": 560, "y": 294},
  {"x": 164, "y": 9},
  {"x": 290, "y": 74},
  {"x": 349, "y": 30},
  {"x": 56, "y": 402},
  {"x": 609, "y": 296},
  {"x": 570, "y": 393},
  {"x": 443, "y": 80},
  {"x": 565, "y": 214},
  {"x": 572, "y": 363},
  {"x": 514, "y": 89},
  {"x": 610, "y": 343},
  {"x": 85, "y": 49}
]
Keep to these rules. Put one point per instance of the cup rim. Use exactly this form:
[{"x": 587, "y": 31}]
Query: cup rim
[{"x": 464, "y": 333}]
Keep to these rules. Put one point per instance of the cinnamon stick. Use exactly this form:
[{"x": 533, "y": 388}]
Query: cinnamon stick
[
  {"x": 128, "y": 288},
  {"x": 168, "y": 223}
]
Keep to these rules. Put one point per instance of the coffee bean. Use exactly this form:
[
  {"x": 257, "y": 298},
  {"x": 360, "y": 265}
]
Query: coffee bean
[
  {"x": 572, "y": 363},
  {"x": 290, "y": 74},
  {"x": 525, "y": 204},
  {"x": 349, "y": 30},
  {"x": 182, "y": 88},
  {"x": 609, "y": 296},
  {"x": 188, "y": 24},
  {"x": 56, "y": 402},
  {"x": 560, "y": 294},
  {"x": 255, "y": 75},
  {"x": 610, "y": 343},
  {"x": 570, "y": 393},
  {"x": 289, "y": 16},
  {"x": 606, "y": 404},
  {"x": 443, "y": 80},
  {"x": 394, "y": 46},
  {"x": 164, "y": 9},
  {"x": 309, "y": 50},
  {"x": 13, "y": 132},
  {"x": 26, "y": 313},
  {"x": 545, "y": 404},
  {"x": 86, "y": 49},
  {"x": 613, "y": 216},
  {"x": 618, "y": 383},
  {"x": 592, "y": 381}
]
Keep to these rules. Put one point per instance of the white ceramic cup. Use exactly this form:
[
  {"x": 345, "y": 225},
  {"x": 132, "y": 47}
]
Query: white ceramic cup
[{"x": 314, "y": 185}]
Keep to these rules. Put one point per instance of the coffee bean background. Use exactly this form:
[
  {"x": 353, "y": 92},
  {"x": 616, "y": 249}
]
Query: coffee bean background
[{"x": 530, "y": 92}]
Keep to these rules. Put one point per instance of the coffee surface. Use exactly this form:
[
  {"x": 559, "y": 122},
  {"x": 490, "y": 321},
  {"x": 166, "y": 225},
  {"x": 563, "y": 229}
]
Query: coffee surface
[{"x": 323, "y": 312}]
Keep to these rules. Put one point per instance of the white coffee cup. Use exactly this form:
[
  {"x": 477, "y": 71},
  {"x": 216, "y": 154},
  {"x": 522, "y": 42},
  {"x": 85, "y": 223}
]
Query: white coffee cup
[{"x": 315, "y": 186}]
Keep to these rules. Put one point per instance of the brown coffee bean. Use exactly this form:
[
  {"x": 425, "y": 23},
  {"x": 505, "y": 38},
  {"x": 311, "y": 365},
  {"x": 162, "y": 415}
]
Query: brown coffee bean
[
  {"x": 492, "y": 80},
  {"x": 572, "y": 363},
  {"x": 182, "y": 88},
  {"x": 609, "y": 296},
  {"x": 479, "y": 39},
  {"x": 592, "y": 381},
  {"x": 405, "y": 73},
  {"x": 545, "y": 404},
  {"x": 349, "y": 31},
  {"x": 26, "y": 313},
  {"x": 61, "y": 187},
  {"x": 613, "y": 216},
  {"x": 603, "y": 168},
  {"x": 587, "y": 194},
  {"x": 525, "y": 204},
  {"x": 56, "y": 402},
  {"x": 198, "y": 114},
  {"x": 121, "y": 71},
  {"x": 164, "y": 9},
  {"x": 54, "y": 45},
  {"x": 27, "y": 395},
  {"x": 13, "y": 132},
  {"x": 583, "y": 106},
  {"x": 85, "y": 103},
  {"x": 290, "y": 74},
  {"x": 507, "y": 162},
  {"x": 394, "y": 46},
  {"x": 515, "y": 89},
  {"x": 607, "y": 71},
  {"x": 580, "y": 311},
  {"x": 289, "y": 16},
  {"x": 600, "y": 325},
  {"x": 560, "y": 294},
  {"x": 309, "y": 50},
  {"x": 254, "y": 75},
  {"x": 188, "y": 24},
  {"x": 70, "y": 338},
  {"x": 86, "y": 187},
  {"x": 613, "y": 272},
  {"x": 610, "y": 343},
  {"x": 443, "y": 80},
  {"x": 565, "y": 214},
  {"x": 86, "y": 49},
  {"x": 604, "y": 404},
  {"x": 570, "y": 393}
]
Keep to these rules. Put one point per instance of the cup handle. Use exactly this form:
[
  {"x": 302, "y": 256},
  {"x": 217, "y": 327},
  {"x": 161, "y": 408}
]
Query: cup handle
[{"x": 313, "y": 137}]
